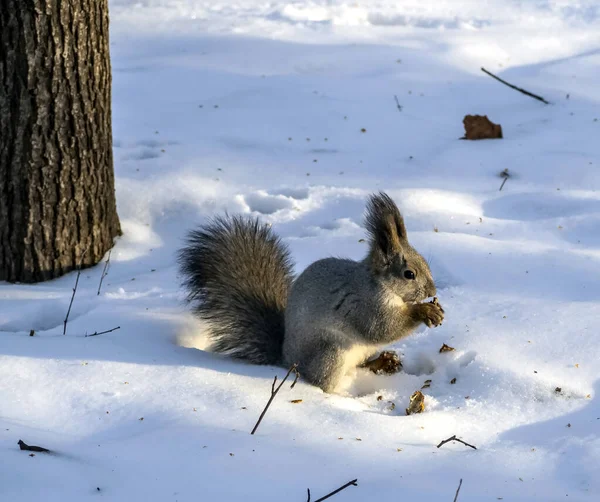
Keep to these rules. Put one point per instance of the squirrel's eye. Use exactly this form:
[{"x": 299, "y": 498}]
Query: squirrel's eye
[{"x": 409, "y": 274}]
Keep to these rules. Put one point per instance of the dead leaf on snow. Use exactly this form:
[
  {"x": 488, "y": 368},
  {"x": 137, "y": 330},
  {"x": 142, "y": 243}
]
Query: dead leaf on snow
[{"x": 417, "y": 403}]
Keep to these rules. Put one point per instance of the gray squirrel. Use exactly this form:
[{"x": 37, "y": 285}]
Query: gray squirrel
[{"x": 333, "y": 317}]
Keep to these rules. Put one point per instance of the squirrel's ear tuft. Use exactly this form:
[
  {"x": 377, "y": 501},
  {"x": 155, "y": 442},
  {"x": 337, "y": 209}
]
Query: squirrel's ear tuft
[{"x": 385, "y": 225}]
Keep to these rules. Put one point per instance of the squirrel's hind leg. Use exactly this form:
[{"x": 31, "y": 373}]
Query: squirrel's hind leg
[{"x": 323, "y": 364}]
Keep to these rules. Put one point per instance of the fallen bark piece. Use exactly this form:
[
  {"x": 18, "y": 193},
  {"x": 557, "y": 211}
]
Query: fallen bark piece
[
  {"x": 27, "y": 447},
  {"x": 480, "y": 127},
  {"x": 417, "y": 403}
]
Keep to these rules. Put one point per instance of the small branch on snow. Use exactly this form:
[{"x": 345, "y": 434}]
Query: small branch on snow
[
  {"x": 103, "y": 332},
  {"x": 74, "y": 291},
  {"x": 297, "y": 375},
  {"x": 398, "y": 105},
  {"x": 454, "y": 438},
  {"x": 104, "y": 272},
  {"x": 504, "y": 174},
  {"x": 274, "y": 392},
  {"x": 527, "y": 93},
  {"x": 349, "y": 483},
  {"x": 27, "y": 447},
  {"x": 457, "y": 490}
]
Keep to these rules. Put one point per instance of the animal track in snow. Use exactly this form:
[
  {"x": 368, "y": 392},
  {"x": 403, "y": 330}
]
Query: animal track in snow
[
  {"x": 340, "y": 226},
  {"x": 42, "y": 315},
  {"x": 143, "y": 149},
  {"x": 295, "y": 193},
  {"x": 266, "y": 203},
  {"x": 541, "y": 206}
]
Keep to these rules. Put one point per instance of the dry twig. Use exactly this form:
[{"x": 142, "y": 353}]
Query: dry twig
[
  {"x": 504, "y": 174},
  {"x": 527, "y": 93},
  {"x": 103, "y": 332},
  {"x": 274, "y": 392},
  {"x": 457, "y": 490},
  {"x": 398, "y": 105},
  {"x": 349, "y": 483},
  {"x": 454, "y": 438},
  {"x": 74, "y": 291},
  {"x": 104, "y": 272}
]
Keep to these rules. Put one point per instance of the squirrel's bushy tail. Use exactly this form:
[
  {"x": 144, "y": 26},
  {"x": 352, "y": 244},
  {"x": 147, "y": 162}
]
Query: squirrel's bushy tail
[{"x": 238, "y": 273}]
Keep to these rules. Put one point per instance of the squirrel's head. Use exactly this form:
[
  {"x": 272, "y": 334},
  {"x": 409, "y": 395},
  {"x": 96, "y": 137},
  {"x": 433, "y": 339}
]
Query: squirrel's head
[{"x": 395, "y": 264}]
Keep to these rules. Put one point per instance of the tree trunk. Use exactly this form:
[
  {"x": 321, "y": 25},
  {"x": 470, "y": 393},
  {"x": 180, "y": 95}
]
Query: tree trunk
[{"x": 57, "y": 200}]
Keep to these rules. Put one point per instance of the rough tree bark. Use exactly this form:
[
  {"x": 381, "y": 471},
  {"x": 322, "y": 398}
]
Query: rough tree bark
[{"x": 57, "y": 200}]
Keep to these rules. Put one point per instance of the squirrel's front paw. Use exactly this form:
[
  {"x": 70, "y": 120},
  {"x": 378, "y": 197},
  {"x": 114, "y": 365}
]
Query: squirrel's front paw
[{"x": 432, "y": 313}]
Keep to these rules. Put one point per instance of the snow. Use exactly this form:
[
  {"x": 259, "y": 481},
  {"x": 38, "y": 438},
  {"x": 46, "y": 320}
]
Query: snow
[{"x": 257, "y": 107}]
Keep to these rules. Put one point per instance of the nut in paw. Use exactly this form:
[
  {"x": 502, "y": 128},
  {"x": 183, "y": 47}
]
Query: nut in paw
[
  {"x": 431, "y": 313},
  {"x": 387, "y": 363}
]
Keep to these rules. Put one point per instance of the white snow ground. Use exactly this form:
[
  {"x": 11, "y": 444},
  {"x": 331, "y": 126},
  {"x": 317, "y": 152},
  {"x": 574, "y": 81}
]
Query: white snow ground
[{"x": 258, "y": 107}]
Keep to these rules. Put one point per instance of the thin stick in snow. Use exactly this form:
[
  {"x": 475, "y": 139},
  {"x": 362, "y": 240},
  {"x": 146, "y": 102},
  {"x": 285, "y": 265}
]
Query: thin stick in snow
[
  {"x": 454, "y": 438},
  {"x": 74, "y": 291},
  {"x": 349, "y": 483},
  {"x": 504, "y": 174},
  {"x": 457, "y": 490},
  {"x": 398, "y": 105},
  {"x": 534, "y": 96},
  {"x": 102, "y": 332},
  {"x": 274, "y": 392},
  {"x": 104, "y": 271}
]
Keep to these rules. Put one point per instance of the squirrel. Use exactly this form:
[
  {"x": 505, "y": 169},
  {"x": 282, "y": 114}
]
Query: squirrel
[{"x": 333, "y": 316}]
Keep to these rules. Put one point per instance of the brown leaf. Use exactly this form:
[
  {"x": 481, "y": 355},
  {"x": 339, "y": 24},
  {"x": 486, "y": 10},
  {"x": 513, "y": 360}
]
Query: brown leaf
[
  {"x": 446, "y": 348},
  {"x": 296, "y": 401},
  {"x": 480, "y": 127},
  {"x": 417, "y": 403}
]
